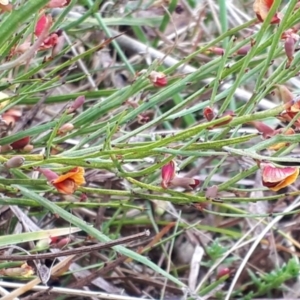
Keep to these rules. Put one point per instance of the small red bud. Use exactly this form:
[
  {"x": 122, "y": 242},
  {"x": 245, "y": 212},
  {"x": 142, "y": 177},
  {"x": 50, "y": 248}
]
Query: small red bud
[
  {"x": 40, "y": 25},
  {"x": 208, "y": 113},
  {"x": 20, "y": 144},
  {"x": 168, "y": 172},
  {"x": 158, "y": 79}
]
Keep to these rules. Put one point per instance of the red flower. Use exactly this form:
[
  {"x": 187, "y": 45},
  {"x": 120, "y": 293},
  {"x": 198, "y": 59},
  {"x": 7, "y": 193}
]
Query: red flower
[
  {"x": 168, "y": 172},
  {"x": 262, "y": 8},
  {"x": 45, "y": 21},
  {"x": 276, "y": 178},
  {"x": 208, "y": 113},
  {"x": 41, "y": 24},
  {"x": 169, "y": 178}
]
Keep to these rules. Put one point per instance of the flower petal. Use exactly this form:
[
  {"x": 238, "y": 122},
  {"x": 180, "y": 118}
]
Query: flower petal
[
  {"x": 168, "y": 172},
  {"x": 277, "y": 178},
  {"x": 185, "y": 182},
  {"x": 68, "y": 186},
  {"x": 262, "y": 8},
  {"x": 263, "y": 128},
  {"x": 75, "y": 174}
]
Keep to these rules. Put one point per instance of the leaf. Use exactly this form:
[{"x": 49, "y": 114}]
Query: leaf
[{"x": 33, "y": 236}]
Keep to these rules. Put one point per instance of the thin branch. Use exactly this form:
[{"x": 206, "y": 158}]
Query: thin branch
[{"x": 81, "y": 250}]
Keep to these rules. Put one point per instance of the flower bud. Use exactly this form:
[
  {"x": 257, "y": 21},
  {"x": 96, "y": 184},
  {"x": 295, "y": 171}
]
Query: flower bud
[
  {"x": 65, "y": 128},
  {"x": 5, "y": 148},
  {"x": 284, "y": 93},
  {"x": 244, "y": 50},
  {"x": 289, "y": 47},
  {"x": 79, "y": 101},
  {"x": 28, "y": 148},
  {"x": 41, "y": 24},
  {"x": 20, "y": 144},
  {"x": 11, "y": 116},
  {"x": 168, "y": 172},
  {"x": 14, "y": 162},
  {"x": 208, "y": 113},
  {"x": 217, "y": 50},
  {"x": 159, "y": 79}
]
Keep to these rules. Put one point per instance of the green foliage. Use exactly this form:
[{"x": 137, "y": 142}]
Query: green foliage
[
  {"x": 216, "y": 250},
  {"x": 113, "y": 138},
  {"x": 265, "y": 283}
]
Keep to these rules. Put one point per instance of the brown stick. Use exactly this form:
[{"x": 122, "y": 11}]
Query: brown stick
[{"x": 80, "y": 250}]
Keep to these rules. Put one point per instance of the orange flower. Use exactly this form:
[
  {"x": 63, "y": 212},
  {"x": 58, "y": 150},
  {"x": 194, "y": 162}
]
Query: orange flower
[
  {"x": 69, "y": 182},
  {"x": 276, "y": 178},
  {"x": 262, "y": 8}
]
